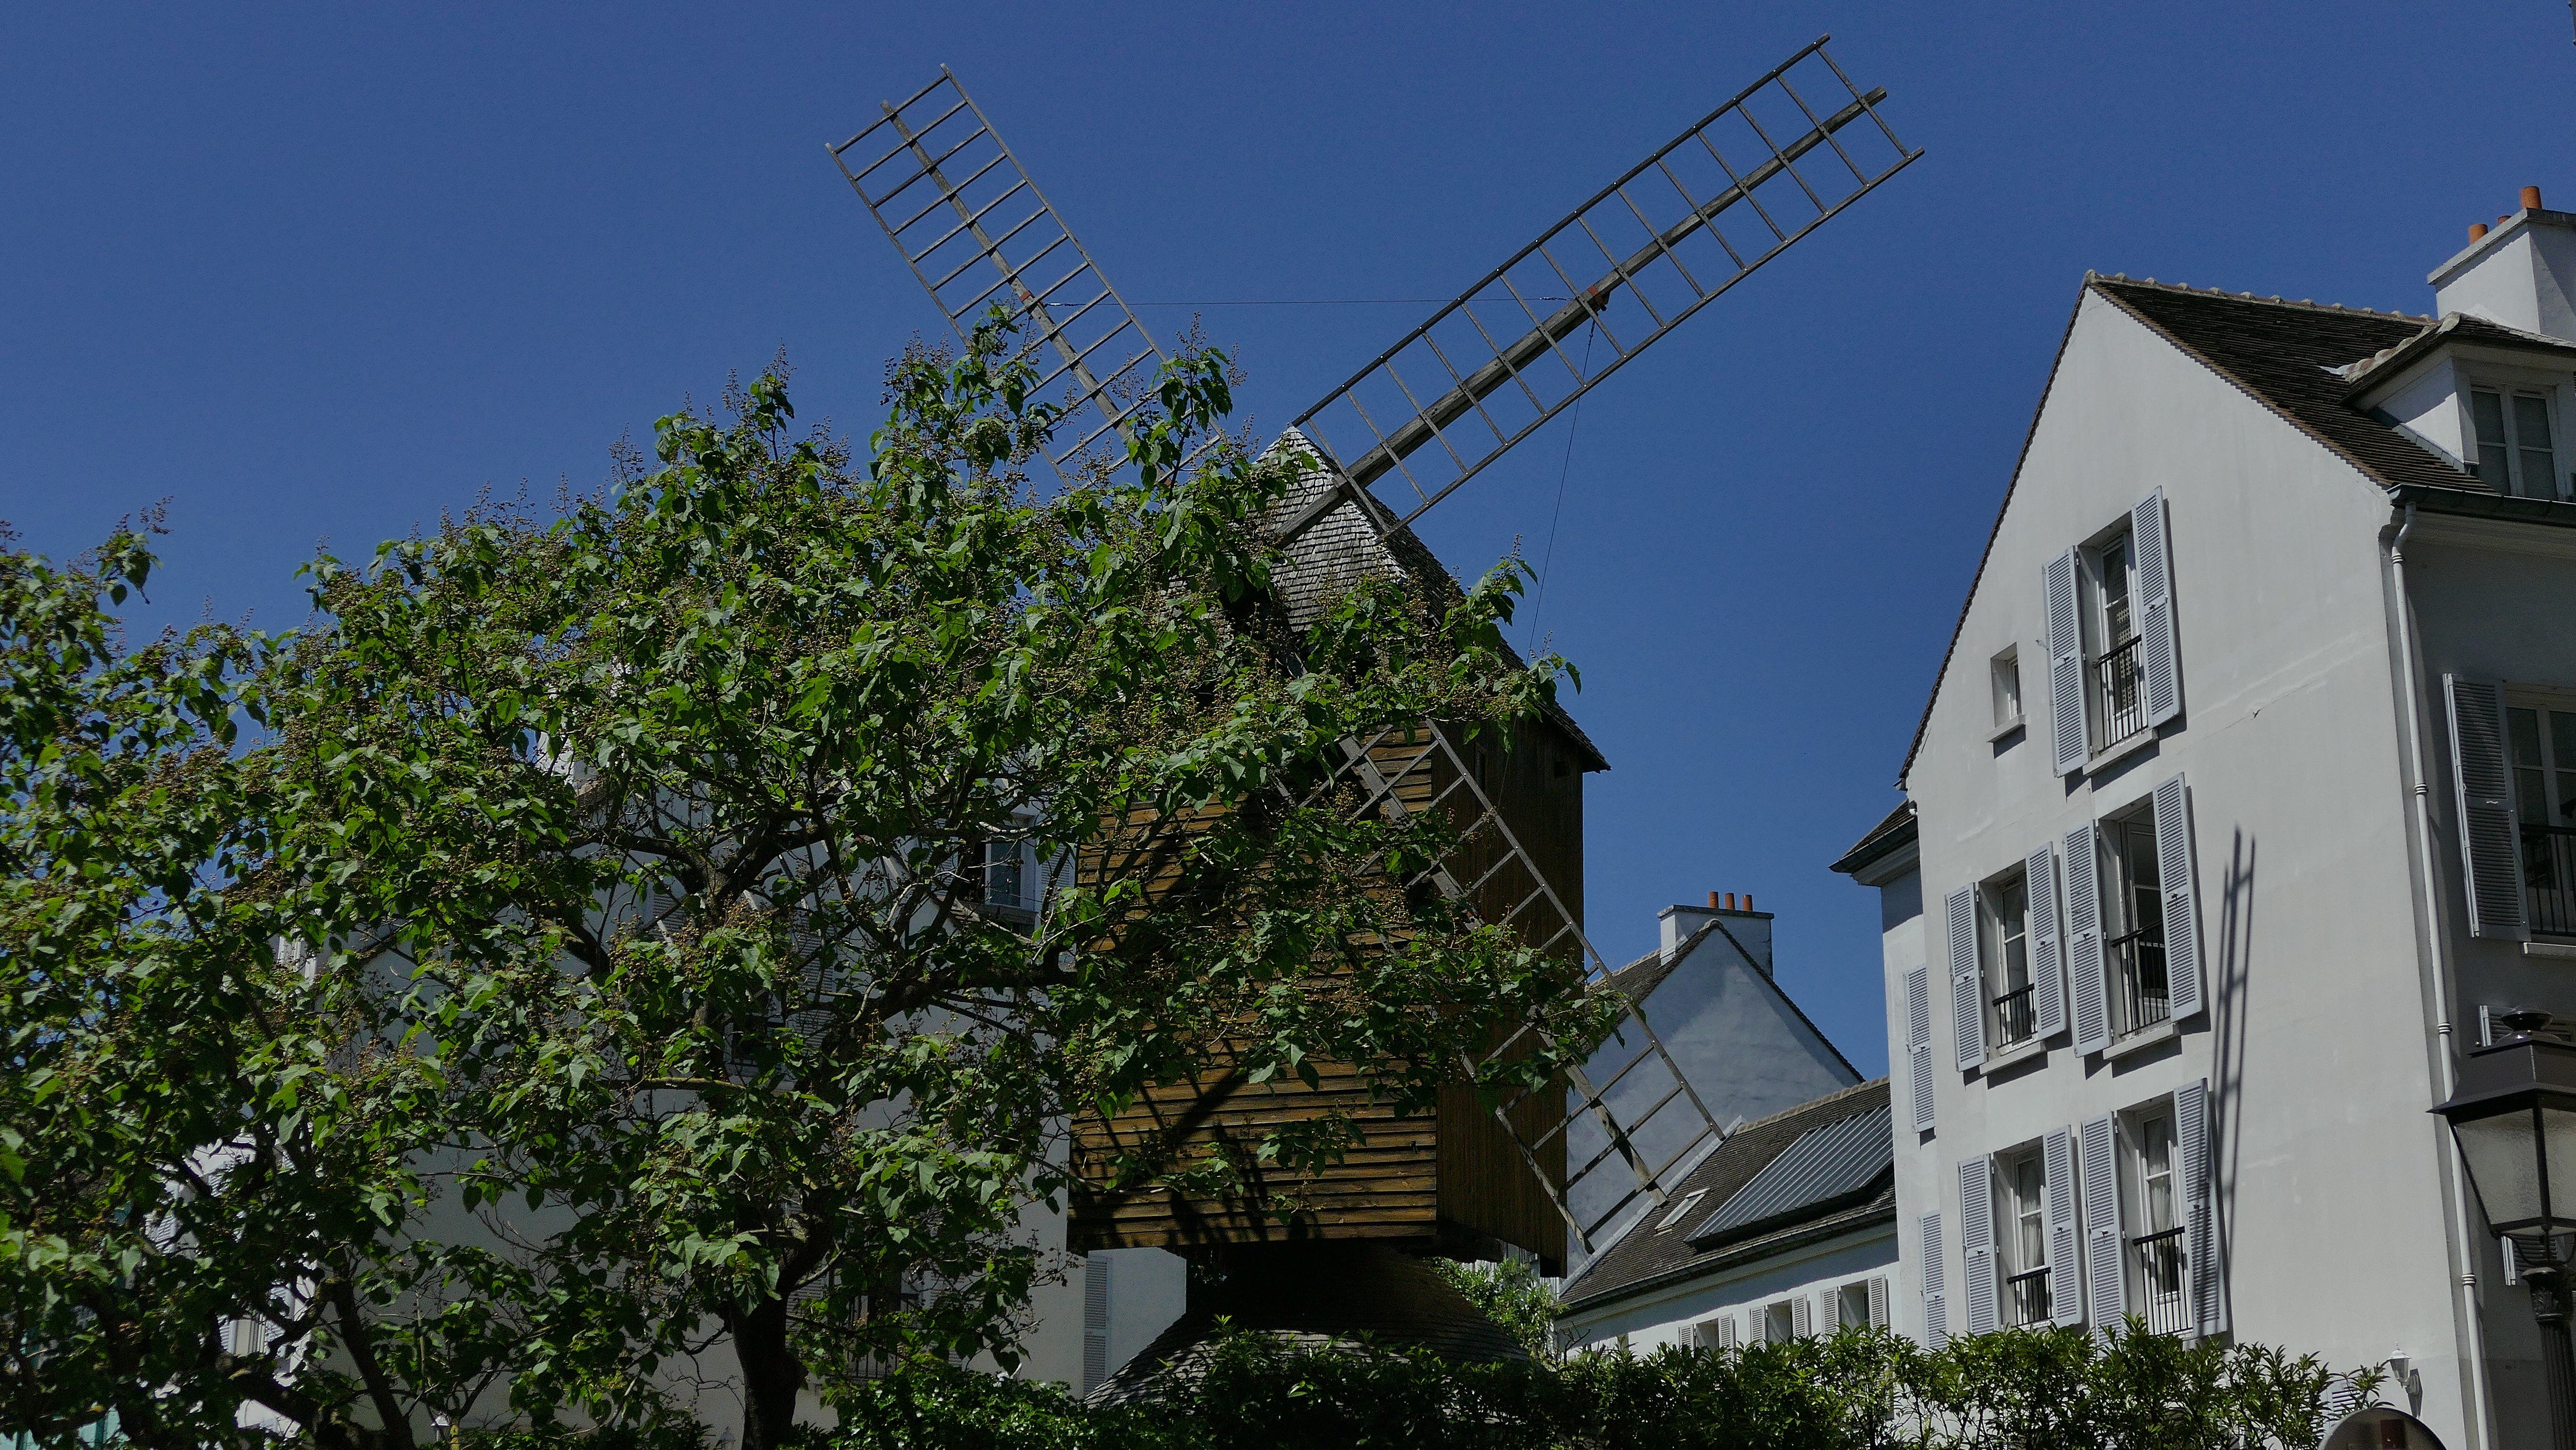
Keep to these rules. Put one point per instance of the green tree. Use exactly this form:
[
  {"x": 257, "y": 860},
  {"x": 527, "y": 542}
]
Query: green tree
[
  {"x": 206, "y": 1153},
  {"x": 598, "y": 946},
  {"x": 1513, "y": 1295}
]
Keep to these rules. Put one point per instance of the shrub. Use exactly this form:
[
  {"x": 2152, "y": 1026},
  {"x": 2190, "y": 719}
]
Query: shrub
[{"x": 2052, "y": 1389}]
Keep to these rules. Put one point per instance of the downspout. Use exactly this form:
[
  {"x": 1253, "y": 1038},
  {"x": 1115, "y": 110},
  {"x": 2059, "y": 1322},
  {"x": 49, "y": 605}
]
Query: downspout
[{"x": 2456, "y": 1206}]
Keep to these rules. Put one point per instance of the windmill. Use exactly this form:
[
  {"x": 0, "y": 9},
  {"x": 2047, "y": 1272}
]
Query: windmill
[{"x": 1400, "y": 436}]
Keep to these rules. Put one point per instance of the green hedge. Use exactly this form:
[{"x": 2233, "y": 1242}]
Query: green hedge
[{"x": 2037, "y": 1390}]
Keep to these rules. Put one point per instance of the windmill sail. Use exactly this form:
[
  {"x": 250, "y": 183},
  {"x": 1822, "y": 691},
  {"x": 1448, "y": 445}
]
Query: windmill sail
[
  {"x": 978, "y": 234},
  {"x": 1754, "y": 176}
]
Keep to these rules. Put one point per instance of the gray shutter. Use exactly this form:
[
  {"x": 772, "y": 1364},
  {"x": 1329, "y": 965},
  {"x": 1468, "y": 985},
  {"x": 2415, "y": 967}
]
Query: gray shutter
[
  {"x": 2065, "y": 664},
  {"x": 1878, "y": 1302},
  {"x": 2191, "y": 1130},
  {"x": 1977, "y": 1242},
  {"x": 1918, "y": 1042},
  {"x": 2084, "y": 965},
  {"x": 2182, "y": 910},
  {"x": 2047, "y": 963},
  {"x": 1967, "y": 992},
  {"x": 2160, "y": 666},
  {"x": 1936, "y": 1315},
  {"x": 1095, "y": 1322},
  {"x": 1826, "y": 1318},
  {"x": 2482, "y": 785},
  {"x": 2065, "y": 1274},
  {"x": 2107, "y": 1277},
  {"x": 1723, "y": 1331}
]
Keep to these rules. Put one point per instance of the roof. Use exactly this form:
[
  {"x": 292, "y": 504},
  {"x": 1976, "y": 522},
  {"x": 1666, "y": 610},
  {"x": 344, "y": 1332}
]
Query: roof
[
  {"x": 1339, "y": 549},
  {"x": 1889, "y": 836},
  {"x": 2299, "y": 360},
  {"x": 1638, "y": 980},
  {"x": 1825, "y": 1165},
  {"x": 1646, "y": 1257}
]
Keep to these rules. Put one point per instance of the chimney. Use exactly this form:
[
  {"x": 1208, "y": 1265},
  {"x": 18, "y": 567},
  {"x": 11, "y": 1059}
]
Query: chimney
[
  {"x": 2521, "y": 272},
  {"x": 1750, "y": 928}
]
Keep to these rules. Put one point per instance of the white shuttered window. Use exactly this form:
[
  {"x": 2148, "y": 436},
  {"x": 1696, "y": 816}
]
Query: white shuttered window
[
  {"x": 2047, "y": 961},
  {"x": 2066, "y": 1295},
  {"x": 1918, "y": 1043},
  {"x": 1977, "y": 1242},
  {"x": 2191, "y": 1133},
  {"x": 1967, "y": 997}
]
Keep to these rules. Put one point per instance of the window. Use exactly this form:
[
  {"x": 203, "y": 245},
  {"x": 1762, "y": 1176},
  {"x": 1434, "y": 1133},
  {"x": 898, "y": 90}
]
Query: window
[
  {"x": 2004, "y": 673},
  {"x": 2021, "y": 1223},
  {"x": 2517, "y": 447},
  {"x": 2115, "y": 707},
  {"x": 2157, "y": 1256},
  {"x": 1780, "y": 1322},
  {"x": 2133, "y": 922},
  {"x": 2540, "y": 743},
  {"x": 1682, "y": 1208},
  {"x": 1005, "y": 874},
  {"x": 1851, "y": 1306},
  {"x": 2004, "y": 921}
]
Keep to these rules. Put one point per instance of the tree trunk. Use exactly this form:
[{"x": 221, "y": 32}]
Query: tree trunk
[{"x": 771, "y": 1375}]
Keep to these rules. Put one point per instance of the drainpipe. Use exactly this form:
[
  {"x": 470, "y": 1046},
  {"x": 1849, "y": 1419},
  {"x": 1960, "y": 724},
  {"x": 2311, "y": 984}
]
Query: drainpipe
[{"x": 2456, "y": 1206}]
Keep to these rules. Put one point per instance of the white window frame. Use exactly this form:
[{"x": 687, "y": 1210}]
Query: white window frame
[
  {"x": 2094, "y": 624},
  {"x": 2013, "y": 1257},
  {"x": 2144, "y": 1126},
  {"x": 2128, "y": 835},
  {"x": 1995, "y": 938},
  {"x": 2549, "y": 885},
  {"x": 2507, "y": 383},
  {"x": 2004, "y": 682}
]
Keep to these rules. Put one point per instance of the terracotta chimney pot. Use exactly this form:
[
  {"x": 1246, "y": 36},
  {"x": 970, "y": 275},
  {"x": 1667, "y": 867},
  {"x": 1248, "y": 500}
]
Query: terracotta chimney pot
[
  {"x": 1748, "y": 901},
  {"x": 1712, "y": 901},
  {"x": 2477, "y": 230},
  {"x": 2531, "y": 198}
]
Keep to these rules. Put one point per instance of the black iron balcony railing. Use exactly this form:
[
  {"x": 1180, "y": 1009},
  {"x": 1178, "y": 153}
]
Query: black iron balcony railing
[
  {"x": 2026, "y": 1300},
  {"x": 2138, "y": 959},
  {"x": 2013, "y": 1017},
  {"x": 2549, "y": 878},
  {"x": 2115, "y": 678},
  {"x": 2159, "y": 1272}
]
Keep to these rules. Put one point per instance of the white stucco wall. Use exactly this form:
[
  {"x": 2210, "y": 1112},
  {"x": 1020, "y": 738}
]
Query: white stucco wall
[
  {"x": 2317, "y": 1044},
  {"x": 1666, "y": 1315}
]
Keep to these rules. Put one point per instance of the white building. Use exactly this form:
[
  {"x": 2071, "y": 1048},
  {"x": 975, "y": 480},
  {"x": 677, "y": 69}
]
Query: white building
[
  {"x": 1746, "y": 1049},
  {"x": 2244, "y": 792},
  {"x": 1787, "y": 1218}
]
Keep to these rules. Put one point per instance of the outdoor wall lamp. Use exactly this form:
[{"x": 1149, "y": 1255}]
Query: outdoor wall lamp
[{"x": 2514, "y": 1117}]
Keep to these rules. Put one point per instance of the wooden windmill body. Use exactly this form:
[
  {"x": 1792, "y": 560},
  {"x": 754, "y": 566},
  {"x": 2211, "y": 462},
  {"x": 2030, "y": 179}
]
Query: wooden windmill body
[{"x": 1398, "y": 437}]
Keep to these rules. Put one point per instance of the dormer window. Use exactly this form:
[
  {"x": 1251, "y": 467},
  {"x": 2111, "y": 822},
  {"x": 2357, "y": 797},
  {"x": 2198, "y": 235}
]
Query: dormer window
[{"x": 2517, "y": 449}]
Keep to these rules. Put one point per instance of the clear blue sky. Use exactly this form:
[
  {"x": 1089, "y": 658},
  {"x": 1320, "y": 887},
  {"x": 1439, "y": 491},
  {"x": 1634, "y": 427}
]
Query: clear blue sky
[{"x": 316, "y": 275}]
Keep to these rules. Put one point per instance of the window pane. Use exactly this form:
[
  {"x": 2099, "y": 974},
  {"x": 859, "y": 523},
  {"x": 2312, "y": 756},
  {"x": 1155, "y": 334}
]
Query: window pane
[
  {"x": 2522, "y": 737},
  {"x": 2115, "y": 594},
  {"x": 2539, "y": 451},
  {"x": 2562, "y": 740},
  {"x": 2486, "y": 409}
]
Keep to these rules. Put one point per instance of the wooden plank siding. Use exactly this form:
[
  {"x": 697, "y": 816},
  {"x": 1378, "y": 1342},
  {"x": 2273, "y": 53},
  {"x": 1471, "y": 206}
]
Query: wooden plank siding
[{"x": 1449, "y": 1173}]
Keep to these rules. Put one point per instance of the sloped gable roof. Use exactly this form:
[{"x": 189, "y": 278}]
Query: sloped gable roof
[
  {"x": 1638, "y": 980},
  {"x": 2295, "y": 359}
]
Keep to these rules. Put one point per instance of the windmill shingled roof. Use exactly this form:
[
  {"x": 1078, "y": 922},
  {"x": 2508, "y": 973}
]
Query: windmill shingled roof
[{"x": 1646, "y": 1255}]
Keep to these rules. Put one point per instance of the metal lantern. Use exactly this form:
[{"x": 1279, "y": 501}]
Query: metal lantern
[{"x": 2514, "y": 1117}]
